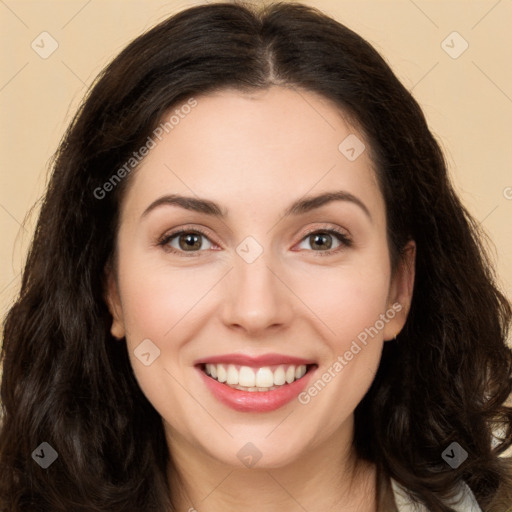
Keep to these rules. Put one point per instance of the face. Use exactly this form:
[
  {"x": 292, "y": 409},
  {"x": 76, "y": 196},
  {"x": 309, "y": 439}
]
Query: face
[{"x": 253, "y": 283}]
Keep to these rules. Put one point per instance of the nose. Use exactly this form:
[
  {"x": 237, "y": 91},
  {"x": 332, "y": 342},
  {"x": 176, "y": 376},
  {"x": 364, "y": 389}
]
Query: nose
[{"x": 256, "y": 298}]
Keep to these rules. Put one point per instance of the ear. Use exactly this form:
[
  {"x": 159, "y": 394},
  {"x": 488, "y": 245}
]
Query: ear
[
  {"x": 400, "y": 292},
  {"x": 113, "y": 301}
]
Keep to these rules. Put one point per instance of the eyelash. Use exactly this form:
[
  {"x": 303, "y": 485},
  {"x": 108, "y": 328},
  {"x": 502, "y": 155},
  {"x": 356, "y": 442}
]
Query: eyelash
[{"x": 342, "y": 237}]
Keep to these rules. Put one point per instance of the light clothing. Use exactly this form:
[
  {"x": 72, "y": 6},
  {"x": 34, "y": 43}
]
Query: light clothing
[{"x": 465, "y": 501}]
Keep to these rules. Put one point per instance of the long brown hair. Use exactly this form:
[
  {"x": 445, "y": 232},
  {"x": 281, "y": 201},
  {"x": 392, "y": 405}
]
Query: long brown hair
[{"x": 66, "y": 382}]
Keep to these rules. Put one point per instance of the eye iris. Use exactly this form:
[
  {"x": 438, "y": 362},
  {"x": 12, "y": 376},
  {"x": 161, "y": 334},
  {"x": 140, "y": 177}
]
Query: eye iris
[
  {"x": 321, "y": 238},
  {"x": 190, "y": 241}
]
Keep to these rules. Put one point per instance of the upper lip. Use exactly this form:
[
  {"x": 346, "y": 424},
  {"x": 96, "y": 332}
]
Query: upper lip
[{"x": 255, "y": 361}]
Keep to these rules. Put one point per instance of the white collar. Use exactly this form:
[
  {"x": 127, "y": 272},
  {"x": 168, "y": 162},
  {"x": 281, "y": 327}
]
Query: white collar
[{"x": 465, "y": 501}]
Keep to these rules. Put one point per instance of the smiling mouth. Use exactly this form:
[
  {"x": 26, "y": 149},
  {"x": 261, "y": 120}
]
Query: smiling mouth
[{"x": 265, "y": 378}]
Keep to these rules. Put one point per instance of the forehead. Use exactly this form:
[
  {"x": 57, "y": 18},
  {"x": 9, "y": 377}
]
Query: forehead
[{"x": 271, "y": 145}]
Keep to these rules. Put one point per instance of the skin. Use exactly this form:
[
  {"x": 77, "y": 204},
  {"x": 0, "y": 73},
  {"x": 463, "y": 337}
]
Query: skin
[{"x": 254, "y": 154}]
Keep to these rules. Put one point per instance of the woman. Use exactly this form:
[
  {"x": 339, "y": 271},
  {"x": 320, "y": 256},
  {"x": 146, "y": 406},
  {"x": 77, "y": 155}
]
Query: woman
[{"x": 252, "y": 285}]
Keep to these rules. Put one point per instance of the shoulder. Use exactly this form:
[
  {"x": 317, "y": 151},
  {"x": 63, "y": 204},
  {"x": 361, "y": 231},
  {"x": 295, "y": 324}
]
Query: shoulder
[{"x": 465, "y": 501}]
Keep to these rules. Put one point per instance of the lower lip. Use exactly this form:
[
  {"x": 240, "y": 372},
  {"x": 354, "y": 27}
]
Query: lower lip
[{"x": 256, "y": 401}]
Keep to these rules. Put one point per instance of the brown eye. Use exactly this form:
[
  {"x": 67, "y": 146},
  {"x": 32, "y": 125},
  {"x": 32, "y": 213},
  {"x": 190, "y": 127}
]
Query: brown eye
[
  {"x": 190, "y": 241},
  {"x": 320, "y": 241},
  {"x": 186, "y": 241},
  {"x": 325, "y": 241}
]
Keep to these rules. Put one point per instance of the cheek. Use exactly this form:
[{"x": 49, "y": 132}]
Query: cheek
[
  {"x": 347, "y": 300},
  {"x": 159, "y": 305},
  {"x": 163, "y": 305},
  {"x": 156, "y": 299},
  {"x": 351, "y": 306}
]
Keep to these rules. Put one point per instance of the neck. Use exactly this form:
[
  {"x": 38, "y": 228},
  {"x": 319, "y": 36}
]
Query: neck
[{"x": 327, "y": 477}]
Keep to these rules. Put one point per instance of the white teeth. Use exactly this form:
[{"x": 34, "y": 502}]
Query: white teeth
[
  {"x": 300, "y": 371},
  {"x": 222, "y": 374},
  {"x": 232, "y": 375},
  {"x": 290, "y": 374},
  {"x": 246, "y": 377},
  {"x": 279, "y": 376},
  {"x": 264, "y": 377},
  {"x": 251, "y": 379}
]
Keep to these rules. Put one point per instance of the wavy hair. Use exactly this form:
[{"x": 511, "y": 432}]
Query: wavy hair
[{"x": 446, "y": 378}]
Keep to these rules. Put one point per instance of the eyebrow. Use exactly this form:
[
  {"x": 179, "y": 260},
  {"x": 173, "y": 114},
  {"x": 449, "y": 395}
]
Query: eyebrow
[{"x": 299, "y": 207}]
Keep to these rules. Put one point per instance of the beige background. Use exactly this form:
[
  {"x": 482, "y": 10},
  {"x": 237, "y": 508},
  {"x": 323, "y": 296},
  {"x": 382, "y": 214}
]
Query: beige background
[{"x": 467, "y": 100}]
